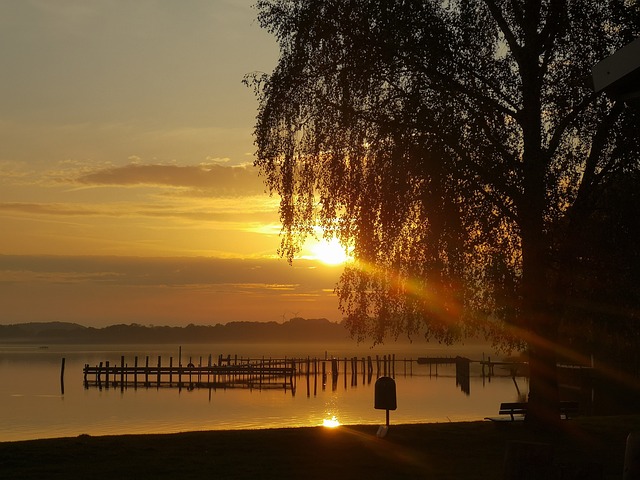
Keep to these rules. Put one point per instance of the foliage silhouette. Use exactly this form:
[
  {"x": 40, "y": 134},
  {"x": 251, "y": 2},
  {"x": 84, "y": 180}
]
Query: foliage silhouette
[{"x": 458, "y": 148}]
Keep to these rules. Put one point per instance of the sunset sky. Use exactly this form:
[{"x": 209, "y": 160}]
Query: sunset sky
[{"x": 126, "y": 187}]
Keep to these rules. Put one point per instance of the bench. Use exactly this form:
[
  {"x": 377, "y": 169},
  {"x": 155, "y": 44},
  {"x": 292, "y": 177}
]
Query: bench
[{"x": 517, "y": 410}]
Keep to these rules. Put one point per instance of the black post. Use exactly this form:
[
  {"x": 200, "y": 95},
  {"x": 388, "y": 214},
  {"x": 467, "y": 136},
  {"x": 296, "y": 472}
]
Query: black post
[{"x": 62, "y": 377}]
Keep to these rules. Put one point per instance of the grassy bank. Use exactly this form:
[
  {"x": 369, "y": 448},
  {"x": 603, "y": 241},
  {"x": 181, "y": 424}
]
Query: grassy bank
[{"x": 474, "y": 450}]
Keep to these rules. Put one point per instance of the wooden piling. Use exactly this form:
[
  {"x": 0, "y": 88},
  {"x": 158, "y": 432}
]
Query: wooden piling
[
  {"x": 345, "y": 373},
  {"x": 159, "y": 365},
  {"x": 99, "y": 372},
  {"x": 62, "y": 376},
  {"x": 122, "y": 371},
  {"x": 393, "y": 365},
  {"x": 324, "y": 375}
]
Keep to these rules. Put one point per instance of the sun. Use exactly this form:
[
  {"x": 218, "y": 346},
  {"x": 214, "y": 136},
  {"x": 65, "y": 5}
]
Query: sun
[{"x": 330, "y": 252}]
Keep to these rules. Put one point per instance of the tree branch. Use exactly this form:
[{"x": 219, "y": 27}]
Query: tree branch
[
  {"x": 598, "y": 144},
  {"x": 564, "y": 123},
  {"x": 509, "y": 36}
]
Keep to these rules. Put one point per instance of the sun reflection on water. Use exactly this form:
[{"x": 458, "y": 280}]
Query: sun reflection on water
[{"x": 331, "y": 422}]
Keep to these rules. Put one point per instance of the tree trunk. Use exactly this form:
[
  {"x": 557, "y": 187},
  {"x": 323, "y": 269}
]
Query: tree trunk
[
  {"x": 544, "y": 395},
  {"x": 540, "y": 322}
]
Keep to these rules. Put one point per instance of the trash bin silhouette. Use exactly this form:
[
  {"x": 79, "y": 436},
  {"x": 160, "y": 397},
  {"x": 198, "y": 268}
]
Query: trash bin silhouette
[
  {"x": 385, "y": 399},
  {"x": 385, "y": 394}
]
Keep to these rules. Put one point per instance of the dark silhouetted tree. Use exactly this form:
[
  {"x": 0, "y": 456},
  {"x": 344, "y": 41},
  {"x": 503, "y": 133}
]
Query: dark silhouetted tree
[{"x": 458, "y": 147}]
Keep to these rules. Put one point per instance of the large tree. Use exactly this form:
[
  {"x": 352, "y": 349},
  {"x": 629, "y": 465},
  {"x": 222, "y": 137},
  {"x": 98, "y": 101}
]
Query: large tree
[{"x": 458, "y": 147}]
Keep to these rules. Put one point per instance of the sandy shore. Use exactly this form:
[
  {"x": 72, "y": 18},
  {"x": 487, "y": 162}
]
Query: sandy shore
[{"x": 473, "y": 450}]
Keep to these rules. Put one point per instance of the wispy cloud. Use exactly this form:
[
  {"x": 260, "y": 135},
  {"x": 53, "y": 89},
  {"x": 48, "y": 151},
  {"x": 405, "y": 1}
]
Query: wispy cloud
[
  {"x": 252, "y": 215},
  {"x": 46, "y": 209},
  {"x": 268, "y": 274},
  {"x": 98, "y": 290},
  {"x": 216, "y": 180}
]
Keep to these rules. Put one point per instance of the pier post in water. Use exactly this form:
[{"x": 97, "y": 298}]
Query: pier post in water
[
  {"x": 99, "y": 373},
  {"x": 62, "y": 377},
  {"x": 122, "y": 372},
  {"x": 135, "y": 372}
]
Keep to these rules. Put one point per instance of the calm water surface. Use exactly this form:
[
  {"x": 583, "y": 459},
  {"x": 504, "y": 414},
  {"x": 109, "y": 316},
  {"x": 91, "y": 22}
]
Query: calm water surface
[{"x": 33, "y": 405}]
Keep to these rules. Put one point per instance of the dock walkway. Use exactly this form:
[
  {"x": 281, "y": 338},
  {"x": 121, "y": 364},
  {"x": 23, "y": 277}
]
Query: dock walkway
[{"x": 246, "y": 374}]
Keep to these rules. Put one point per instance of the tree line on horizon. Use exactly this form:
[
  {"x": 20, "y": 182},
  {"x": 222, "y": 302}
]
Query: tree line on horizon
[{"x": 297, "y": 330}]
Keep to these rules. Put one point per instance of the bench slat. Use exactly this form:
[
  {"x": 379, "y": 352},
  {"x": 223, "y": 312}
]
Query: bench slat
[{"x": 566, "y": 408}]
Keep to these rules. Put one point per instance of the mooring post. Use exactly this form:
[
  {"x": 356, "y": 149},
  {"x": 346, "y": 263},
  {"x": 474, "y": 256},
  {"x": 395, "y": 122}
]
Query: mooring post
[
  {"x": 121, "y": 372},
  {"x": 170, "y": 371},
  {"x": 324, "y": 375},
  {"x": 135, "y": 372},
  {"x": 62, "y": 376},
  {"x": 393, "y": 365},
  {"x": 355, "y": 371},
  {"x": 294, "y": 381},
  {"x": 159, "y": 365}
]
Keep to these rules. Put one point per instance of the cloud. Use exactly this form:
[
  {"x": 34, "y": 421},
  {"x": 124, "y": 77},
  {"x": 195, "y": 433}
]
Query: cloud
[
  {"x": 264, "y": 273},
  {"x": 46, "y": 209},
  {"x": 254, "y": 216},
  {"x": 216, "y": 180},
  {"x": 100, "y": 290}
]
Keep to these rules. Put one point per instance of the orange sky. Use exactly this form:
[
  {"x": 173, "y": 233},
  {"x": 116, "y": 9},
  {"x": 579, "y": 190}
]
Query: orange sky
[{"x": 126, "y": 187}]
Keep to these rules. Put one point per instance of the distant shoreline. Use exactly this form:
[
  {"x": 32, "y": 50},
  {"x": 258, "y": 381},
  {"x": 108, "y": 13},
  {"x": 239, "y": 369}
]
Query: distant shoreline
[{"x": 297, "y": 330}]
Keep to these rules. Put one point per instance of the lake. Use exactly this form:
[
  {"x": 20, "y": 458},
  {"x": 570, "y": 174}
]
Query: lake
[{"x": 34, "y": 406}]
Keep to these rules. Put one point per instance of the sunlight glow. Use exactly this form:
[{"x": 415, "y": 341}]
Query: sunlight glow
[
  {"x": 330, "y": 422},
  {"x": 330, "y": 252}
]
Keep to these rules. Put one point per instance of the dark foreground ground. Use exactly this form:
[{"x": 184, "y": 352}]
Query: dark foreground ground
[{"x": 586, "y": 448}]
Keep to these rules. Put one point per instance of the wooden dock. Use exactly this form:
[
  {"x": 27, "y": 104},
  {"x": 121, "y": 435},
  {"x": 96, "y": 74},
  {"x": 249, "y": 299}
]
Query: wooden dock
[
  {"x": 266, "y": 373},
  {"x": 263, "y": 373},
  {"x": 238, "y": 372}
]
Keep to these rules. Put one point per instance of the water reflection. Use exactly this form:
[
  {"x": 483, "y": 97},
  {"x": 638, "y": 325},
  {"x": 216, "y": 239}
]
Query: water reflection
[
  {"x": 330, "y": 422},
  {"x": 31, "y": 392}
]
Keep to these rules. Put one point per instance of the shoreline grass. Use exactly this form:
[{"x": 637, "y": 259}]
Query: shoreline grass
[{"x": 466, "y": 450}]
